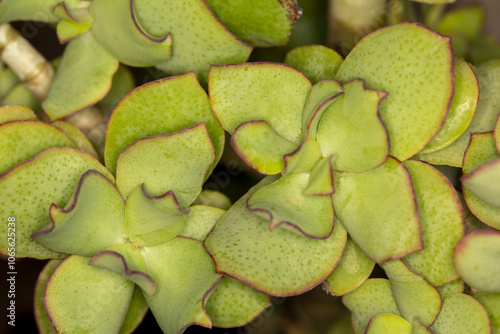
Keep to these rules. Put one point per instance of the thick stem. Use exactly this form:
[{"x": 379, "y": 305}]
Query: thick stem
[{"x": 29, "y": 65}]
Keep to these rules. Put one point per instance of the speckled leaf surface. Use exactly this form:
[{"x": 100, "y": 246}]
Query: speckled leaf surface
[
  {"x": 91, "y": 221},
  {"x": 234, "y": 304},
  {"x": 153, "y": 220},
  {"x": 116, "y": 27},
  {"x": 477, "y": 260},
  {"x": 42, "y": 320},
  {"x": 158, "y": 108},
  {"x": 48, "y": 183},
  {"x": 442, "y": 222},
  {"x": 176, "y": 265},
  {"x": 353, "y": 270},
  {"x": 484, "y": 182},
  {"x": 271, "y": 92},
  {"x": 462, "y": 109},
  {"x": 481, "y": 151},
  {"x": 373, "y": 297},
  {"x": 85, "y": 299},
  {"x": 317, "y": 62},
  {"x": 266, "y": 22},
  {"x": 23, "y": 140},
  {"x": 137, "y": 310},
  {"x": 379, "y": 210},
  {"x": 488, "y": 75},
  {"x": 276, "y": 262},
  {"x": 82, "y": 78},
  {"x": 283, "y": 203},
  {"x": 304, "y": 158},
  {"x": 387, "y": 323},
  {"x": 31, "y": 10},
  {"x": 351, "y": 129},
  {"x": 80, "y": 140},
  {"x": 417, "y": 103},
  {"x": 491, "y": 303},
  {"x": 16, "y": 112},
  {"x": 261, "y": 147},
  {"x": 200, "y": 221},
  {"x": 415, "y": 296},
  {"x": 456, "y": 286},
  {"x": 180, "y": 162},
  {"x": 199, "y": 38},
  {"x": 462, "y": 314}
]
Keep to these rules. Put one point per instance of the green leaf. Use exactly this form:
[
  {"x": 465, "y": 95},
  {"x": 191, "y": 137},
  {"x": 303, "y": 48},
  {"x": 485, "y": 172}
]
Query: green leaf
[
  {"x": 116, "y": 27},
  {"x": 496, "y": 134},
  {"x": 122, "y": 84},
  {"x": 442, "y": 220},
  {"x": 68, "y": 30},
  {"x": 353, "y": 270},
  {"x": 419, "y": 328},
  {"x": 185, "y": 276},
  {"x": 462, "y": 109},
  {"x": 85, "y": 299},
  {"x": 16, "y": 113},
  {"x": 491, "y": 303},
  {"x": 234, "y": 304},
  {"x": 153, "y": 220},
  {"x": 157, "y": 108},
  {"x": 42, "y": 320},
  {"x": 284, "y": 203},
  {"x": 321, "y": 181},
  {"x": 398, "y": 60},
  {"x": 29, "y": 10},
  {"x": 81, "y": 141},
  {"x": 277, "y": 262},
  {"x": 351, "y": 129},
  {"x": 200, "y": 221},
  {"x": 74, "y": 10},
  {"x": 477, "y": 260},
  {"x": 484, "y": 182},
  {"x": 480, "y": 152},
  {"x": 317, "y": 62},
  {"x": 20, "y": 94},
  {"x": 261, "y": 147},
  {"x": 82, "y": 78},
  {"x": 91, "y": 221},
  {"x": 137, "y": 310},
  {"x": 304, "y": 158},
  {"x": 214, "y": 199},
  {"x": 44, "y": 181},
  {"x": 373, "y": 297},
  {"x": 270, "y": 92},
  {"x": 8, "y": 80},
  {"x": 23, "y": 140},
  {"x": 387, "y": 323},
  {"x": 180, "y": 162},
  {"x": 415, "y": 296},
  {"x": 379, "y": 211},
  {"x": 466, "y": 20},
  {"x": 462, "y": 314},
  {"x": 456, "y": 286},
  {"x": 262, "y": 23}
]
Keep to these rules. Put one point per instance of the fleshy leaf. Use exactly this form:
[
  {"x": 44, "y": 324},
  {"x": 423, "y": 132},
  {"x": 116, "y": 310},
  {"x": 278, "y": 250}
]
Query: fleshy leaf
[
  {"x": 484, "y": 182},
  {"x": 496, "y": 133},
  {"x": 22, "y": 140},
  {"x": 462, "y": 314},
  {"x": 284, "y": 203},
  {"x": 317, "y": 62},
  {"x": 456, "y": 286},
  {"x": 48, "y": 183},
  {"x": 420, "y": 328},
  {"x": 267, "y": 22},
  {"x": 153, "y": 220},
  {"x": 387, "y": 323},
  {"x": 214, "y": 199},
  {"x": 462, "y": 108},
  {"x": 491, "y": 303},
  {"x": 371, "y": 298},
  {"x": 234, "y": 304},
  {"x": 304, "y": 158},
  {"x": 16, "y": 113},
  {"x": 68, "y": 30},
  {"x": 74, "y": 10},
  {"x": 122, "y": 84},
  {"x": 82, "y": 78},
  {"x": 353, "y": 270},
  {"x": 466, "y": 21},
  {"x": 271, "y": 92},
  {"x": 91, "y": 221},
  {"x": 116, "y": 27},
  {"x": 480, "y": 152},
  {"x": 125, "y": 259},
  {"x": 42, "y": 320},
  {"x": 418, "y": 103},
  {"x": 351, "y": 129},
  {"x": 200, "y": 221},
  {"x": 261, "y": 147},
  {"x": 30, "y": 10},
  {"x": 178, "y": 161},
  {"x": 158, "y": 108},
  {"x": 277, "y": 262},
  {"x": 20, "y": 94},
  {"x": 80, "y": 140},
  {"x": 442, "y": 222},
  {"x": 415, "y": 296},
  {"x": 477, "y": 260},
  {"x": 379, "y": 211},
  {"x": 97, "y": 297},
  {"x": 488, "y": 75},
  {"x": 137, "y": 310},
  {"x": 184, "y": 275},
  {"x": 321, "y": 181}
]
